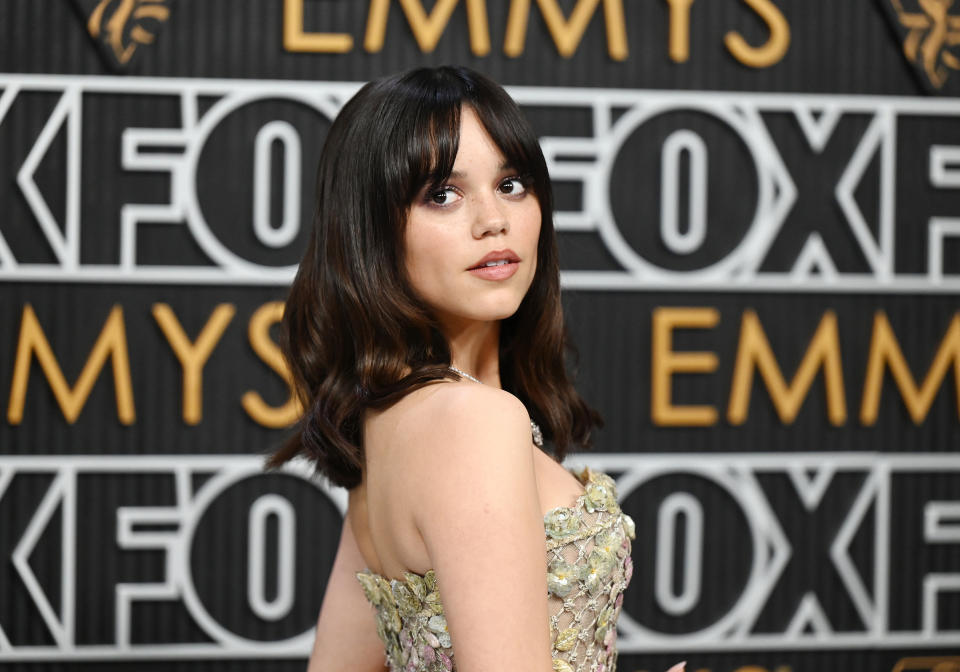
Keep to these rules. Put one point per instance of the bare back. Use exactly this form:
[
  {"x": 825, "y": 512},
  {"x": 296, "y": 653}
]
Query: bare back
[{"x": 381, "y": 520}]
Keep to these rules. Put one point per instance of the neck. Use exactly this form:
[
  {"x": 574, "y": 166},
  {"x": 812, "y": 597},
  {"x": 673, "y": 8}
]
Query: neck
[{"x": 475, "y": 348}]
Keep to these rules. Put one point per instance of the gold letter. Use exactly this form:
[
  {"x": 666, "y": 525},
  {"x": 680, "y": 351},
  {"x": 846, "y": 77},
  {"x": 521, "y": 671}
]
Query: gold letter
[
  {"x": 428, "y": 29},
  {"x": 666, "y": 362},
  {"x": 193, "y": 356},
  {"x": 294, "y": 39},
  {"x": 754, "y": 351},
  {"x": 884, "y": 349},
  {"x": 776, "y": 46},
  {"x": 567, "y": 34},
  {"x": 111, "y": 342},
  {"x": 679, "y": 30},
  {"x": 259, "y": 332}
]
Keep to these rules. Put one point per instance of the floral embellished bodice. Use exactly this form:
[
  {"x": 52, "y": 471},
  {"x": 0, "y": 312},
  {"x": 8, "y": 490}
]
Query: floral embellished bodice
[{"x": 588, "y": 568}]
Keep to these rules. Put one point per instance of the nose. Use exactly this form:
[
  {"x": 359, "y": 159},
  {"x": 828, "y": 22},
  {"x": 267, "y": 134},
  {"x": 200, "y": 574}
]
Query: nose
[{"x": 490, "y": 218}]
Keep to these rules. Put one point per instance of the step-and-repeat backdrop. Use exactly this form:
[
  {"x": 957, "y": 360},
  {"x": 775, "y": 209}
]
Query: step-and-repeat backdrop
[{"x": 759, "y": 217}]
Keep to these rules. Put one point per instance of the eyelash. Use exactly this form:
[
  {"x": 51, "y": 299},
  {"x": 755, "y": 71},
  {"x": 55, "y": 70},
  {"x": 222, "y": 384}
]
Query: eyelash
[{"x": 523, "y": 180}]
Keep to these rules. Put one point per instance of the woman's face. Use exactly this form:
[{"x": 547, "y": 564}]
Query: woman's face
[{"x": 482, "y": 215}]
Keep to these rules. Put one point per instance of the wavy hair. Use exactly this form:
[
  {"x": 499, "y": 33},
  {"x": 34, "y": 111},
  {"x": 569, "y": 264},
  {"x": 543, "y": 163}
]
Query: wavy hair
[{"x": 355, "y": 334}]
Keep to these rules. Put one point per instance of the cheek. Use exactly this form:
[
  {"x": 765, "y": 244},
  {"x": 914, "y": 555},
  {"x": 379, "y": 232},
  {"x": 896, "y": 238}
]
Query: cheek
[
  {"x": 413, "y": 259},
  {"x": 535, "y": 219},
  {"x": 415, "y": 266},
  {"x": 534, "y": 216},
  {"x": 425, "y": 251},
  {"x": 536, "y": 264}
]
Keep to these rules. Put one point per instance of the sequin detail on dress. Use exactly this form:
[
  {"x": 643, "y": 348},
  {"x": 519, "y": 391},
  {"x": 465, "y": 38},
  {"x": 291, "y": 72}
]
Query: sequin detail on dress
[{"x": 588, "y": 568}]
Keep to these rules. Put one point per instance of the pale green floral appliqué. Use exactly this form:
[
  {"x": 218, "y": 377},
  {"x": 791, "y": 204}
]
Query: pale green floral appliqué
[
  {"x": 417, "y": 584},
  {"x": 438, "y": 625},
  {"x": 608, "y": 540},
  {"x": 588, "y": 568},
  {"x": 561, "y": 522},
  {"x": 562, "y": 577},
  {"x": 603, "y": 623},
  {"x": 596, "y": 497},
  {"x": 566, "y": 639},
  {"x": 407, "y": 602},
  {"x": 370, "y": 588},
  {"x": 600, "y": 565}
]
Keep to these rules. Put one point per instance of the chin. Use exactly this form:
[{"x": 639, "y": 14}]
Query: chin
[
  {"x": 486, "y": 306},
  {"x": 501, "y": 314},
  {"x": 491, "y": 313},
  {"x": 499, "y": 310}
]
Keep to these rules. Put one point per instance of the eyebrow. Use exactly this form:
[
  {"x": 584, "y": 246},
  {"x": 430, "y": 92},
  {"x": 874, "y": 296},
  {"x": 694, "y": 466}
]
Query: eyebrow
[{"x": 504, "y": 167}]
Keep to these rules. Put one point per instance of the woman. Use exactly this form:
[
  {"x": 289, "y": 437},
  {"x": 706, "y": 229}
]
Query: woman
[{"x": 424, "y": 331}]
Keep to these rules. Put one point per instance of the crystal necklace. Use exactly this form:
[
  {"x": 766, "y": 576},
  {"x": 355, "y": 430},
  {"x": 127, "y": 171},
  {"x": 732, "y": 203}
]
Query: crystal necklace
[{"x": 534, "y": 427}]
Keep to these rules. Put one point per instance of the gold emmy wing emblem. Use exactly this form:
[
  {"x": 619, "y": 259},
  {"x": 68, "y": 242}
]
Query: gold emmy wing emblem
[
  {"x": 931, "y": 32},
  {"x": 121, "y": 27},
  {"x": 929, "y": 664}
]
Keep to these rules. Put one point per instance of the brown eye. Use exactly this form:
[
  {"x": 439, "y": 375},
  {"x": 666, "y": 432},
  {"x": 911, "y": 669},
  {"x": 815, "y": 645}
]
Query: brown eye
[
  {"x": 512, "y": 186},
  {"x": 445, "y": 196}
]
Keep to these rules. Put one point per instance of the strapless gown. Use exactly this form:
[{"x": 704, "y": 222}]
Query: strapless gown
[{"x": 588, "y": 568}]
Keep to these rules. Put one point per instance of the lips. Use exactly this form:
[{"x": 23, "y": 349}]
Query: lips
[{"x": 507, "y": 255}]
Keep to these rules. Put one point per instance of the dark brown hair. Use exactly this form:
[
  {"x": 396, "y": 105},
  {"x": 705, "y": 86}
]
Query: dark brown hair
[{"x": 354, "y": 333}]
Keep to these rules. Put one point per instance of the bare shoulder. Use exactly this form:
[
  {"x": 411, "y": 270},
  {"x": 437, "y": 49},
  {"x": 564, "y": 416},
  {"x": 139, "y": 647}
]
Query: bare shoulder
[
  {"x": 477, "y": 511},
  {"x": 468, "y": 449},
  {"x": 447, "y": 419},
  {"x": 444, "y": 453}
]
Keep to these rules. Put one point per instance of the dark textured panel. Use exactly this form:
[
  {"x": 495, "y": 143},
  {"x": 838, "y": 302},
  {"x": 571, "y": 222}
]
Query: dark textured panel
[
  {"x": 613, "y": 333},
  {"x": 72, "y": 317},
  {"x": 834, "y": 47},
  {"x": 841, "y": 47}
]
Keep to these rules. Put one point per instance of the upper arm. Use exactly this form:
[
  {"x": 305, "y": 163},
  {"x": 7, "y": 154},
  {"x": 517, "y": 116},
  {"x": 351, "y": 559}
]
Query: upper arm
[
  {"x": 346, "y": 637},
  {"x": 479, "y": 515}
]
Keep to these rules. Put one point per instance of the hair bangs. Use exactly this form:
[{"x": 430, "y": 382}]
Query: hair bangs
[
  {"x": 509, "y": 136},
  {"x": 429, "y": 130},
  {"x": 432, "y": 149}
]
